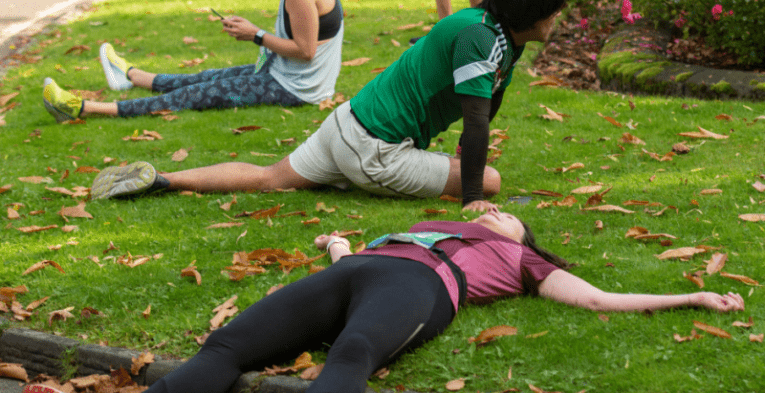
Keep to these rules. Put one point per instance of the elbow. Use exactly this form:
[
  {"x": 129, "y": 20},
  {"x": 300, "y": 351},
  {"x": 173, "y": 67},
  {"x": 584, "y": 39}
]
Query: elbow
[
  {"x": 596, "y": 302},
  {"x": 307, "y": 54}
]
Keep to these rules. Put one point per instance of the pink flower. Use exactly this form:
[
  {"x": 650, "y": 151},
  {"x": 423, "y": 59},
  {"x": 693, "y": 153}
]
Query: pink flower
[
  {"x": 627, "y": 14},
  {"x": 730, "y": 12},
  {"x": 681, "y": 22},
  {"x": 583, "y": 24},
  {"x": 716, "y": 11}
]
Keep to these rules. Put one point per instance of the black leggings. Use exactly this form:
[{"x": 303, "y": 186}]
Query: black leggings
[{"x": 371, "y": 308}]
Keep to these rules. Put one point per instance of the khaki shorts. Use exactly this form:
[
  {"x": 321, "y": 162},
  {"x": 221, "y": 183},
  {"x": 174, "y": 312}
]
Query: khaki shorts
[{"x": 342, "y": 151}]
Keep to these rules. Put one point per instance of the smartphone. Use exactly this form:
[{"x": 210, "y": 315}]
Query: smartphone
[{"x": 217, "y": 14}]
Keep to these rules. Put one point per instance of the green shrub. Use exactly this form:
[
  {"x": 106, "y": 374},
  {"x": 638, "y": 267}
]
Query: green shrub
[
  {"x": 683, "y": 77},
  {"x": 742, "y": 33}
]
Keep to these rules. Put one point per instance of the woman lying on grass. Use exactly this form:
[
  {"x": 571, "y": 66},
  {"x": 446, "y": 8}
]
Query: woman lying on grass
[
  {"x": 377, "y": 140},
  {"x": 373, "y": 305},
  {"x": 298, "y": 65}
]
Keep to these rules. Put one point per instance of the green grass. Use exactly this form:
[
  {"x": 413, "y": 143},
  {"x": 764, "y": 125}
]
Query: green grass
[{"x": 629, "y": 353}]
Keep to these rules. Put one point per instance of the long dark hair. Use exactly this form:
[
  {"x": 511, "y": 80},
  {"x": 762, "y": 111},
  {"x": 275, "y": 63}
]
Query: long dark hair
[
  {"x": 530, "y": 242},
  {"x": 521, "y": 15}
]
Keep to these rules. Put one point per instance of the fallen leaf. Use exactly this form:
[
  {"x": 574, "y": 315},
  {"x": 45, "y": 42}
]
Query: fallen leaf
[
  {"x": 680, "y": 148},
  {"x": 683, "y": 253},
  {"x": 227, "y": 206},
  {"x": 223, "y": 311},
  {"x": 74, "y": 211},
  {"x": 724, "y": 116},
  {"x": 77, "y": 49},
  {"x": 551, "y": 114},
  {"x": 715, "y": 331},
  {"x": 191, "y": 271},
  {"x": 759, "y": 186},
  {"x": 455, "y": 384},
  {"x": 225, "y": 225},
  {"x": 629, "y": 138},
  {"x": 752, "y": 217},
  {"x": 411, "y": 26},
  {"x": 695, "y": 278},
  {"x": 180, "y": 155},
  {"x": 138, "y": 362},
  {"x": 147, "y": 312},
  {"x": 711, "y": 191},
  {"x": 587, "y": 189},
  {"x": 395, "y": 43},
  {"x": 311, "y": 373},
  {"x": 609, "y": 208},
  {"x": 757, "y": 337},
  {"x": 4, "y": 99},
  {"x": 37, "y": 303},
  {"x": 13, "y": 370},
  {"x": 36, "y": 179},
  {"x": 717, "y": 262},
  {"x": 693, "y": 336},
  {"x": 41, "y": 265},
  {"x": 322, "y": 207},
  {"x": 537, "y": 335},
  {"x": 264, "y": 213},
  {"x": 746, "y": 280},
  {"x": 189, "y": 40},
  {"x": 13, "y": 214},
  {"x": 491, "y": 334},
  {"x": 5, "y": 188},
  {"x": 356, "y": 62},
  {"x": 611, "y": 120},
  {"x": 435, "y": 211},
  {"x": 547, "y": 193},
  {"x": 60, "y": 315},
  {"x": 35, "y": 228},
  {"x": 703, "y": 134},
  {"x": 744, "y": 324},
  {"x": 60, "y": 190},
  {"x": 314, "y": 220}
]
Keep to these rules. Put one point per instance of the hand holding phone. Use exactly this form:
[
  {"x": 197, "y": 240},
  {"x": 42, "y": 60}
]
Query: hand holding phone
[{"x": 217, "y": 14}]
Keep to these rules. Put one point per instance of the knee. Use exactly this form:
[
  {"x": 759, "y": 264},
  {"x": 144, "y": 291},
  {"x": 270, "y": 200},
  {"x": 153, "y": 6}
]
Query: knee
[
  {"x": 492, "y": 181},
  {"x": 354, "y": 348}
]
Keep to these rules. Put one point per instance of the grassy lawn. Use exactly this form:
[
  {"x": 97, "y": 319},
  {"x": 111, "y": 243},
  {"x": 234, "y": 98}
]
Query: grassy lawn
[{"x": 581, "y": 350}]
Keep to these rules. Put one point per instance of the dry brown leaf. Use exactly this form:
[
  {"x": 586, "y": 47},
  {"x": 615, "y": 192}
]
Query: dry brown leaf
[
  {"x": 5, "y": 188},
  {"x": 314, "y": 220},
  {"x": 756, "y": 337},
  {"x": 311, "y": 373},
  {"x": 695, "y": 278},
  {"x": 598, "y": 224},
  {"x": 41, "y": 265},
  {"x": 759, "y": 186},
  {"x": 455, "y": 384},
  {"x": 60, "y": 315},
  {"x": 189, "y": 40},
  {"x": 703, "y": 134},
  {"x": 576, "y": 165},
  {"x": 274, "y": 289},
  {"x": 547, "y": 193},
  {"x": 180, "y": 155},
  {"x": 243, "y": 129},
  {"x": 717, "y": 262},
  {"x": 225, "y": 225},
  {"x": 435, "y": 211},
  {"x": 322, "y": 207},
  {"x": 77, "y": 49},
  {"x": 635, "y": 231},
  {"x": 13, "y": 214},
  {"x": 87, "y": 169},
  {"x": 711, "y": 191},
  {"x": 629, "y": 138},
  {"x": 223, "y": 311},
  {"x": 746, "y": 280},
  {"x": 491, "y": 334},
  {"x": 15, "y": 371},
  {"x": 395, "y": 43},
  {"x": 4, "y": 99},
  {"x": 36, "y": 179},
  {"x": 356, "y": 62},
  {"x": 60, "y": 190},
  {"x": 715, "y": 331},
  {"x": 746, "y": 325},
  {"x": 587, "y": 189},
  {"x": 609, "y": 208},
  {"x": 537, "y": 335},
  {"x": 227, "y": 206},
  {"x": 752, "y": 217},
  {"x": 566, "y": 202},
  {"x": 35, "y": 228},
  {"x": 693, "y": 336},
  {"x": 74, "y": 211},
  {"x": 264, "y": 213},
  {"x": 37, "y": 303},
  {"x": 138, "y": 362},
  {"x": 191, "y": 271},
  {"x": 147, "y": 312},
  {"x": 683, "y": 253}
]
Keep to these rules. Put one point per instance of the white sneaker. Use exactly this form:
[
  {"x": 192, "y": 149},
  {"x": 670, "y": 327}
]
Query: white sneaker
[{"x": 115, "y": 68}]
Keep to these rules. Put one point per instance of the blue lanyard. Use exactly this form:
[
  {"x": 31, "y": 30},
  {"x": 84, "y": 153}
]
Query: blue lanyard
[{"x": 423, "y": 239}]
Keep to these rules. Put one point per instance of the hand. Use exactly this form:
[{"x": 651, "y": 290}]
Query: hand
[
  {"x": 720, "y": 303},
  {"x": 479, "y": 206},
  {"x": 240, "y": 28},
  {"x": 321, "y": 241}
]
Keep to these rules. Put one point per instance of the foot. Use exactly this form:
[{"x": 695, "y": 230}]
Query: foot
[
  {"x": 60, "y": 103},
  {"x": 132, "y": 179},
  {"x": 115, "y": 68}
]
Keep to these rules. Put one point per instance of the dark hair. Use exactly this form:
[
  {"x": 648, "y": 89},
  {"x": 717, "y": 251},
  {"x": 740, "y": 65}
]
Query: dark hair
[
  {"x": 529, "y": 241},
  {"x": 521, "y": 15}
]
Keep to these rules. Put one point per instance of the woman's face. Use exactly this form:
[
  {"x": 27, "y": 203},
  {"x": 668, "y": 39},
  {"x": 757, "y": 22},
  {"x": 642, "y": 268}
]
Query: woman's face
[{"x": 504, "y": 224}]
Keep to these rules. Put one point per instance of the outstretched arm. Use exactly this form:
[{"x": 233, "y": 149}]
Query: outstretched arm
[
  {"x": 336, "y": 246},
  {"x": 565, "y": 287}
]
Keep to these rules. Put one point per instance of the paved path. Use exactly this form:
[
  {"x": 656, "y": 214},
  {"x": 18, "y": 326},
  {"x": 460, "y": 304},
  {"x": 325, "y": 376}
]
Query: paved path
[{"x": 21, "y": 17}]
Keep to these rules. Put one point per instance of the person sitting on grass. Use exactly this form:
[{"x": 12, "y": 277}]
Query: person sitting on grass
[
  {"x": 377, "y": 140},
  {"x": 298, "y": 65},
  {"x": 376, "y": 304}
]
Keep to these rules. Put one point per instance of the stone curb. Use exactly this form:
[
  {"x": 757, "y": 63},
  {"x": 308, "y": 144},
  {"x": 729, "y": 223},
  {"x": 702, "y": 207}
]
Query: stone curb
[
  {"x": 633, "y": 60},
  {"x": 49, "y": 354}
]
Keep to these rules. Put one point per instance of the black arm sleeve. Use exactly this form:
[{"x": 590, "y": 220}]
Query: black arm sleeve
[
  {"x": 475, "y": 145},
  {"x": 496, "y": 102}
]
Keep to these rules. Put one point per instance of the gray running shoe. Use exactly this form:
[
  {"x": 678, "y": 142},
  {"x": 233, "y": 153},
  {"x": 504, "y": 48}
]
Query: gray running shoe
[{"x": 120, "y": 181}]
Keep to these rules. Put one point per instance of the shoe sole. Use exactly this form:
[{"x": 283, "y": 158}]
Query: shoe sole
[
  {"x": 59, "y": 115},
  {"x": 111, "y": 76},
  {"x": 120, "y": 181}
]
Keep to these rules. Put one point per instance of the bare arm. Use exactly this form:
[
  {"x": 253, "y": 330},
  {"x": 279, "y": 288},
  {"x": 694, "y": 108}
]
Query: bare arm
[
  {"x": 305, "y": 31},
  {"x": 565, "y": 287},
  {"x": 338, "y": 246}
]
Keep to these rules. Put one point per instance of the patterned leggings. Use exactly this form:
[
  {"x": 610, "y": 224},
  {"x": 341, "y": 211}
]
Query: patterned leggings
[{"x": 220, "y": 88}]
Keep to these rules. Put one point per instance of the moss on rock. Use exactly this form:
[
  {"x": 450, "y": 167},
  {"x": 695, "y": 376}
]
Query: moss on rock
[
  {"x": 624, "y": 65},
  {"x": 648, "y": 73},
  {"x": 723, "y": 87},
  {"x": 760, "y": 86},
  {"x": 680, "y": 78}
]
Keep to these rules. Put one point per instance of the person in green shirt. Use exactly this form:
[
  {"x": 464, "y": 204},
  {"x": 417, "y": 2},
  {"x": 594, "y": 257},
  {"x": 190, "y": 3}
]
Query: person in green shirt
[{"x": 378, "y": 139}]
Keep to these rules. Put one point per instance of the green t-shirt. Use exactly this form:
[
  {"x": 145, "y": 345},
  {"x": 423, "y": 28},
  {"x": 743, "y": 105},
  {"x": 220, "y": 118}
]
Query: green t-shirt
[{"x": 465, "y": 53}]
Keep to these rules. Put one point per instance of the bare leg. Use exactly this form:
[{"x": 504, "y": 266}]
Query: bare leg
[
  {"x": 141, "y": 78},
  {"x": 104, "y": 108},
  {"x": 491, "y": 180},
  {"x": 238, "y": 176}
]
